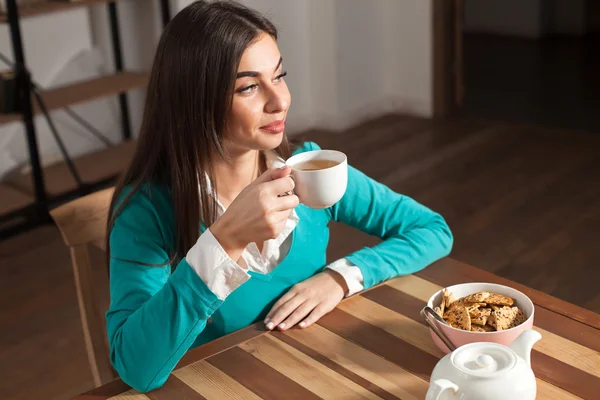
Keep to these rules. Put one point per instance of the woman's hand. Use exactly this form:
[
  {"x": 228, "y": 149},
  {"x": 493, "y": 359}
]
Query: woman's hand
[
  {"x": 308, "y": 301},
  {"x": 258, "y": 213}
]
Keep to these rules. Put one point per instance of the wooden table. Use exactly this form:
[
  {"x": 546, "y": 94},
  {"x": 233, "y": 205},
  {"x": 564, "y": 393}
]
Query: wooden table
[{"x": 374, "y": 345}]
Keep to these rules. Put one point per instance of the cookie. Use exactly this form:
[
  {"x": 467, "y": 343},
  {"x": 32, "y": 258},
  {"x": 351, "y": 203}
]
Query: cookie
[
  {"x": 479, "y": 297},
  {"x": 461, "y": 303},
  {"x": 481, "y": 328},
  {"x": 474, "y": 306},
  {"x": 519, "y": 317},
  {"x": 458, "y": 318},
  {"x": 499, "y": 299},
  {"x": 480, "y": 312},
  {"x": 480, "y": 316},
  {"x": 491, "y": 321},
  {"x": 504, "y": 318},
  {"x": 448, "y": 298}
]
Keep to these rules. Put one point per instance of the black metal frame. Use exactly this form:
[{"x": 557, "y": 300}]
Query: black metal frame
[{"x": 37, "y": 213}]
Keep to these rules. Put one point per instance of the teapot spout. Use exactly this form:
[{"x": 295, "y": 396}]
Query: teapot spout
[{"x": 524, "y": 343}]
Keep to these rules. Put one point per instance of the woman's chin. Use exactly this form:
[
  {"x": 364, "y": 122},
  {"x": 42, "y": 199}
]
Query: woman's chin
[{"x": 269, "y": 141}]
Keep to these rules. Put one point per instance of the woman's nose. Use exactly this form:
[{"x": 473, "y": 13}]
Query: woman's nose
[{"x": 279, "y": 100}]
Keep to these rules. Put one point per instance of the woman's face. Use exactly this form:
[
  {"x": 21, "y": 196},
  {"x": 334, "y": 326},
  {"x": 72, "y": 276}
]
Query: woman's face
[{"x": 261, "y": 99}]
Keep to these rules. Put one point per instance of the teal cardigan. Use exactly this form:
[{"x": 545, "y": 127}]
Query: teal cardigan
[{"x": 159, "y": 312}]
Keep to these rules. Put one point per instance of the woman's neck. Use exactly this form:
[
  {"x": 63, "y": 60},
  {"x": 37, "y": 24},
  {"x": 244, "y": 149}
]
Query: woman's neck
[{"x": 234, "y": 175}]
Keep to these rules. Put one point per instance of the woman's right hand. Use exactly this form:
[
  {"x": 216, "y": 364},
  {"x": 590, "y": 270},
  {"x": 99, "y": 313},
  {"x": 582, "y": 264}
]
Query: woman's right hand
[{"x": 258, "y": 213}]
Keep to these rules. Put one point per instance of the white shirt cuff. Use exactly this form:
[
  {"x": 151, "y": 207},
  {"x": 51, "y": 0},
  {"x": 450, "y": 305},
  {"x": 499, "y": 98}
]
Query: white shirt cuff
[
  {"x": 351, "y": 274},
  {"x": 213, "y": 265}
]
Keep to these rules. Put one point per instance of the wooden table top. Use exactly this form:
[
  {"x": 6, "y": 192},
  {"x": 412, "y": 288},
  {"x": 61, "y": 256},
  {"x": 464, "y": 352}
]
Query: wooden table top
[{"x": 374, "y": 345}]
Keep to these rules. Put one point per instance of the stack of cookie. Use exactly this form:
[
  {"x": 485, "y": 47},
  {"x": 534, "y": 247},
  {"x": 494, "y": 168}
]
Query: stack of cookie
[{"x": 480, "y": 312}]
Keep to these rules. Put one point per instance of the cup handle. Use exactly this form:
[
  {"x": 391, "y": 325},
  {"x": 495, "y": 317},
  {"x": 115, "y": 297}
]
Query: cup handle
[{"x": 438, "y": 387}]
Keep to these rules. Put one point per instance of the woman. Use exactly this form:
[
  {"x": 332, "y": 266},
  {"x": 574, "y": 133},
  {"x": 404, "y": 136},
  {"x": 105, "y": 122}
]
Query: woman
[{"x": 202, "y": 242}]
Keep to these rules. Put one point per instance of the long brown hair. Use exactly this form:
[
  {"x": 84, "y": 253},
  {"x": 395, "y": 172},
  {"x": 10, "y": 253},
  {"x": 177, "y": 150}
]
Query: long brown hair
[{"x": 188, "y": 100}]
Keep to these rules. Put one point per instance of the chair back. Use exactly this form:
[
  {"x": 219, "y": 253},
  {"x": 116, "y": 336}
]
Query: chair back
[{"x": 82, "y": 224}]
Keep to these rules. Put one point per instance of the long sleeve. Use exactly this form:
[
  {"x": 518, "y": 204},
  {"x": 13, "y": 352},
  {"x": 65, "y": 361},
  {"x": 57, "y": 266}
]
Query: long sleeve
[
  {"x": 413, "y": 235},
  {"x": 155, "y": 316},
  {"x": 351, "y": 274}
]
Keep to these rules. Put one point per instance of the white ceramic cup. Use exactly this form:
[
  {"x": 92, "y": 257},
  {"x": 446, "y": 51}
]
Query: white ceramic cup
[{"x": 324, "y": 187}]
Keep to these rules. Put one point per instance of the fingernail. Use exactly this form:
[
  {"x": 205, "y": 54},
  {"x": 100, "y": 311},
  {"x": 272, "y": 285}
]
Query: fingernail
[
  {"x": 281, "y": 326},
  {"x": 270, "y": 325},
  {"x": 302, "y": 324}
]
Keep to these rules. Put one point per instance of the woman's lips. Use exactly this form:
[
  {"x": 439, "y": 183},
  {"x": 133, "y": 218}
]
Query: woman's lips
[{"x": 274, "y": 127}]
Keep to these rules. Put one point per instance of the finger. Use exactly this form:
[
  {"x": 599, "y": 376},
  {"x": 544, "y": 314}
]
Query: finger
[
  {"x": 285, "y": 310},
  {"x": 280, "y": 217},
  {"x": 281, "y": 185},
  {"x": 278, "y": 304},
  {"x": 286, "y": 203},
  {"x": 315, "y": 315},
  {"x": 273, "y": 174},
  {"x": 300, "y": 313}
]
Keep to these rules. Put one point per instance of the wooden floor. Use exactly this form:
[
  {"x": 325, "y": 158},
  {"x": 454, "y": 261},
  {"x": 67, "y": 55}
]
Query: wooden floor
[
  {"x": 522, "y": 201},
  {"x": 552, "y": 81}
]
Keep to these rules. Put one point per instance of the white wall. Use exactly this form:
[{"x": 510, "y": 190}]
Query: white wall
[{"x": 347, "y": 60}]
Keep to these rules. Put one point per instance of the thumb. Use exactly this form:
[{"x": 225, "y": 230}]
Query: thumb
[{"x": 272, "y": 174}]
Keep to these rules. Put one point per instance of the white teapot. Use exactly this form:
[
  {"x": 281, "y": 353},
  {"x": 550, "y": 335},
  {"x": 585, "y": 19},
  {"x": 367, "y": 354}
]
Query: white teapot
[{"x": 486, "y": 371}]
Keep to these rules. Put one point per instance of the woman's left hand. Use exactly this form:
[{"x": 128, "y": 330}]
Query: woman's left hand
[{"x": 308, "y": 301}]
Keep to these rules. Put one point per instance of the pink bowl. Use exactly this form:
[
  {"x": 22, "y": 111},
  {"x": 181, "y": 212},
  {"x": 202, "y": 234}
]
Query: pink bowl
[{"x": 459, "y": 337}]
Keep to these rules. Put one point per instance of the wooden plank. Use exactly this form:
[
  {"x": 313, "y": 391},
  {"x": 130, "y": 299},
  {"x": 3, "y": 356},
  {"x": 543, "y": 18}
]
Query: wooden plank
[
  {"x": 376, "y": 340},
  {"x": 46, "y": 7},
  {"x": 363, "y": 367},
  {"x": 330, "y": 364},
  {"x": 400, "y": 326},
  {"x": 84, "y": 91},
  {"x": 212, "y": 383},
  {"x": 107, "y": 391},
  {"x": 174, "y": 388},
  {"x": 128, "y": 395},
  {"x": 93, "y": 167},
  {"x": 259, "y": 377},
  {"x": 222, "y": 344},
  {"x": 447, "y": 271},
  {"x": 304, "y": 370}
]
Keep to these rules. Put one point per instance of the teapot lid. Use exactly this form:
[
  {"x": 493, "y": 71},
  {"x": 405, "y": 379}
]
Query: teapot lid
[{"x": 484, "y": 359}]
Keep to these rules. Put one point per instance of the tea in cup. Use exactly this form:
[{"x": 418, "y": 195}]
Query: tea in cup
[{"x": 321, "y": 177}]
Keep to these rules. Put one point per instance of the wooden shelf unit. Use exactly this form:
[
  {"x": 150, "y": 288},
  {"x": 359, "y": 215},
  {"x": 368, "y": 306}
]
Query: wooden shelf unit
[
  {"x": 50, "y": 6},
  {"x": 31, "y": 195},
  {"x": 12, "y": 199},
  {"x": 84, "y": 91},
  {"x": 94, "y": 167}
]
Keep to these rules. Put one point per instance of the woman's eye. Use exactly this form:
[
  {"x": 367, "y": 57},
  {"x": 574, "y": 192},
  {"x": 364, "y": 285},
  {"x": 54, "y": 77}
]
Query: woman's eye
[
  {"x": 248, "y": 89},
  {"x": 278, "y": 77}
]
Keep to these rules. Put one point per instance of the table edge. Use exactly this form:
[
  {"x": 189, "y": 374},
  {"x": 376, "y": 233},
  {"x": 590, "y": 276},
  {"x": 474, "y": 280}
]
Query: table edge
[{"x": 564, "y": 308}]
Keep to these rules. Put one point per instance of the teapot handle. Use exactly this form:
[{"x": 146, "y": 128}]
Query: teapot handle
[{"x": 438, "y": 387}]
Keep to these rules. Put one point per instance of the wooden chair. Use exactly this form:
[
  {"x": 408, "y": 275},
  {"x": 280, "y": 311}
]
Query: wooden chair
[{"x": 82, "y": 223}]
